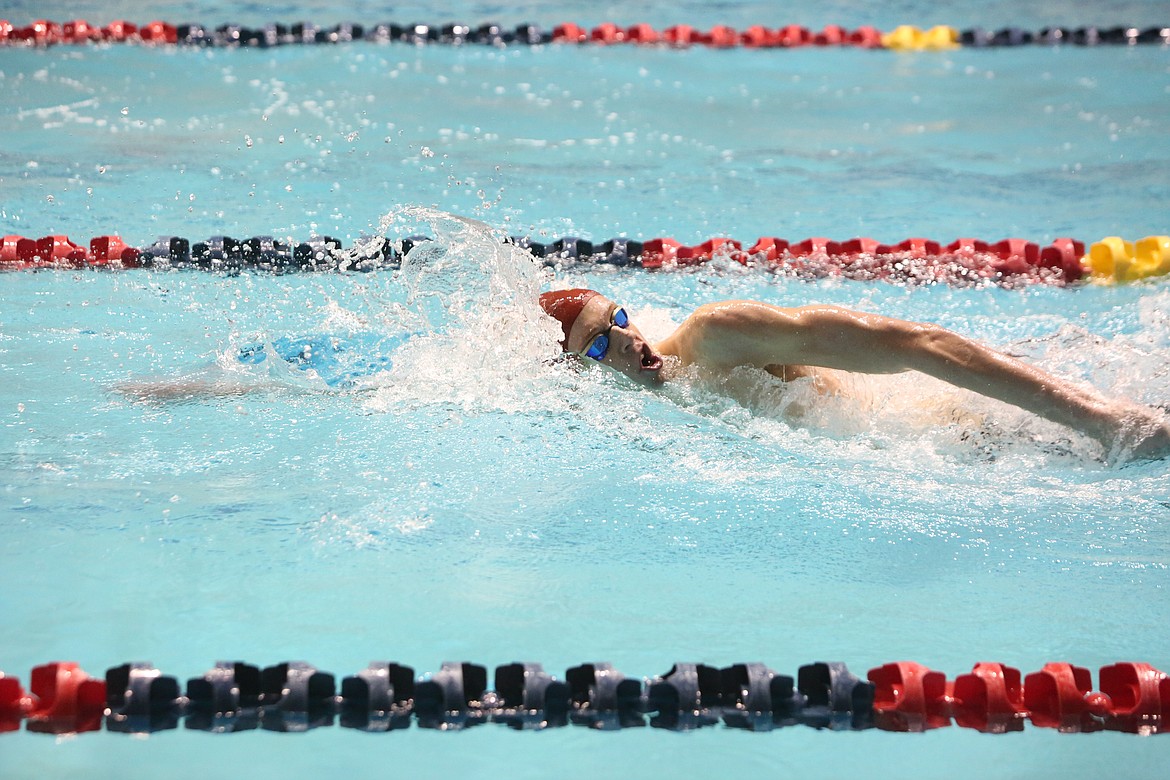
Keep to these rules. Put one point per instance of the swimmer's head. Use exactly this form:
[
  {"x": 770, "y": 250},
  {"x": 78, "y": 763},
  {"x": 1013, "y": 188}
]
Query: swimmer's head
[
  {"x": 565, "y": 307},
  {"x": 596, "y": 327}
]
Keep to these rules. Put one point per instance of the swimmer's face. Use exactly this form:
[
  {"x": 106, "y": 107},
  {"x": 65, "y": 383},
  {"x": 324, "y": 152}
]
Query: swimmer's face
[{"x": 628, "y": 351}]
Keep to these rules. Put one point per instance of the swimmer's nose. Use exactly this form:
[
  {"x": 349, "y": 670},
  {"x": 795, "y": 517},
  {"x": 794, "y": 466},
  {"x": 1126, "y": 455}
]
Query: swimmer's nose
[{"x": 629, "y": 342}]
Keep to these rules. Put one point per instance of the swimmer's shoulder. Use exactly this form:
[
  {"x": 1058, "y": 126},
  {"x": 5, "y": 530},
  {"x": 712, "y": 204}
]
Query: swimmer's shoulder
[
  {"x": 737, "y": 315},
  {"x": 726, "y": 332}
]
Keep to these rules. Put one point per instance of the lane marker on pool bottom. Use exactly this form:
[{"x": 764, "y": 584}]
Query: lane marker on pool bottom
[
  {"x": 43, "y": 32},
  {"x": 962, "y": 262},
  {"x": 295, "y": 696}
]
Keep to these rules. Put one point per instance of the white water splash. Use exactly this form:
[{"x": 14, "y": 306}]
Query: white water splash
[{"x": 485, "y": 343}]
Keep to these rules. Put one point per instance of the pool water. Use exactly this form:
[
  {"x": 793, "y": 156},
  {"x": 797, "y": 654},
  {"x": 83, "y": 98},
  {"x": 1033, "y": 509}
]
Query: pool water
[{"x": 407, "y": 475}]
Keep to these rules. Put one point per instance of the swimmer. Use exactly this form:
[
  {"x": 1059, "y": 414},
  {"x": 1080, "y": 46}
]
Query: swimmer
[{"x": 795, "y": 342}]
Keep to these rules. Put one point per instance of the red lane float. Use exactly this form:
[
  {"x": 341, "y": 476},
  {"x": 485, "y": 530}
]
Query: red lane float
[
  {"x": 43, "y": 33},
  {"x": 159, "y": 32},
  {"x": 119, "y": 31},
  {"x": 1133, "y": 698},
  {"x": 1061, "y": 696},
  {"x": 809, "y": 247},
  {"x": 963, "y": 260},
  {"x": 866, "y": 38},
  {"x": 643, "y": 34},
  {"x": 990, "y": 699},
  {"x": 833, "y": 35},
  {"x": 909, "y": 697},
  {"x": 701, "y": 253},
  {"x": 853, "y": 246},
  {"x": 569, "y": 33},
  {"x": 721, "y": 37},
  {"x": 67, "y": 700},
  {"x": 658, "y": 252},
  {"x": 1140, "y": 696},
  {"x": 107, "y": 250},
  {"x": 681, "y": 35},
  {"x": 758, "y": 37},
  {"x": 607, "y": 33},
  {"x": 914, "y": 247},
  {"x": 14, "y": 703},
  {"x": 59, "y": 251},
  {"x": 771, "y": 249},
  {"x": 78, "y": 31}
]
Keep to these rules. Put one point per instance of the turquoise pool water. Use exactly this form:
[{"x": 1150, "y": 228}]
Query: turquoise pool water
[{"x": 464, "y": 499}]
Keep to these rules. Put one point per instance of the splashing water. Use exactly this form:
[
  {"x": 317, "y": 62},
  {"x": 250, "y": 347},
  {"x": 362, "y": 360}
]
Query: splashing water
[
  {"x": 466, "y": 268},
  {"x": 484, "y": 341}
]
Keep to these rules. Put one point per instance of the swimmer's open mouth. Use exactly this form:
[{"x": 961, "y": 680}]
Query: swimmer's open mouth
[{"x": 650, "y": 361}]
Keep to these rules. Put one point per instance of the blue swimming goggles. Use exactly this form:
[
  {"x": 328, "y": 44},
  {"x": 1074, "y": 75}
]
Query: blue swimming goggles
[{"x": 600, "y": 344}]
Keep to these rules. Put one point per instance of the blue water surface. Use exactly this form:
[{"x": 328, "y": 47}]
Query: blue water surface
[{"x": 347, "y": 467}]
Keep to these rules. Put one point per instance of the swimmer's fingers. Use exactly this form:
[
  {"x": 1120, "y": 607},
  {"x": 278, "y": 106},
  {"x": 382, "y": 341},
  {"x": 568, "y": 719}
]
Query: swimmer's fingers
[{"x": 1148, "y": 436}]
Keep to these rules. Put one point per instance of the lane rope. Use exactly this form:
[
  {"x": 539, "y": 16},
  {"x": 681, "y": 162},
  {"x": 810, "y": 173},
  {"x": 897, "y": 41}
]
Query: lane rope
[
  {"x": 43, "y": 32},
  {"x": 961, "y": 262},
  {"x": 295, "y": 696}
]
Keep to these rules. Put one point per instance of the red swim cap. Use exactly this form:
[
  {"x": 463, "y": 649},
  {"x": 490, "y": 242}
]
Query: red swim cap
[{"x": 566, "y": 306}]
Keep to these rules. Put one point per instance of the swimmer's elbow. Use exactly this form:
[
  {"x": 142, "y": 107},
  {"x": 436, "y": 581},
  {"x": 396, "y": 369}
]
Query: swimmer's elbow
[
  {"x": 933, "y": 344},
  {"x": 870, "y": 343}
]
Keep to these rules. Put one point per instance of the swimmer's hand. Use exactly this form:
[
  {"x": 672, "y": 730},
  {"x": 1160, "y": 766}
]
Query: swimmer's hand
[{"x": 1143, "y": 432}]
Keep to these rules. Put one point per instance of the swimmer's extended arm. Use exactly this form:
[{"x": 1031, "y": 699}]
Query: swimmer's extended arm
[{"x": 745, "y": 332}]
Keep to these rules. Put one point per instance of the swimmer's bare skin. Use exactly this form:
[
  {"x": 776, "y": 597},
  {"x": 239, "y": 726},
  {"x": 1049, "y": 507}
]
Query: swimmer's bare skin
[
  {"x": 788, "y": 341},
  {"x": 178, "y": 390}
]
